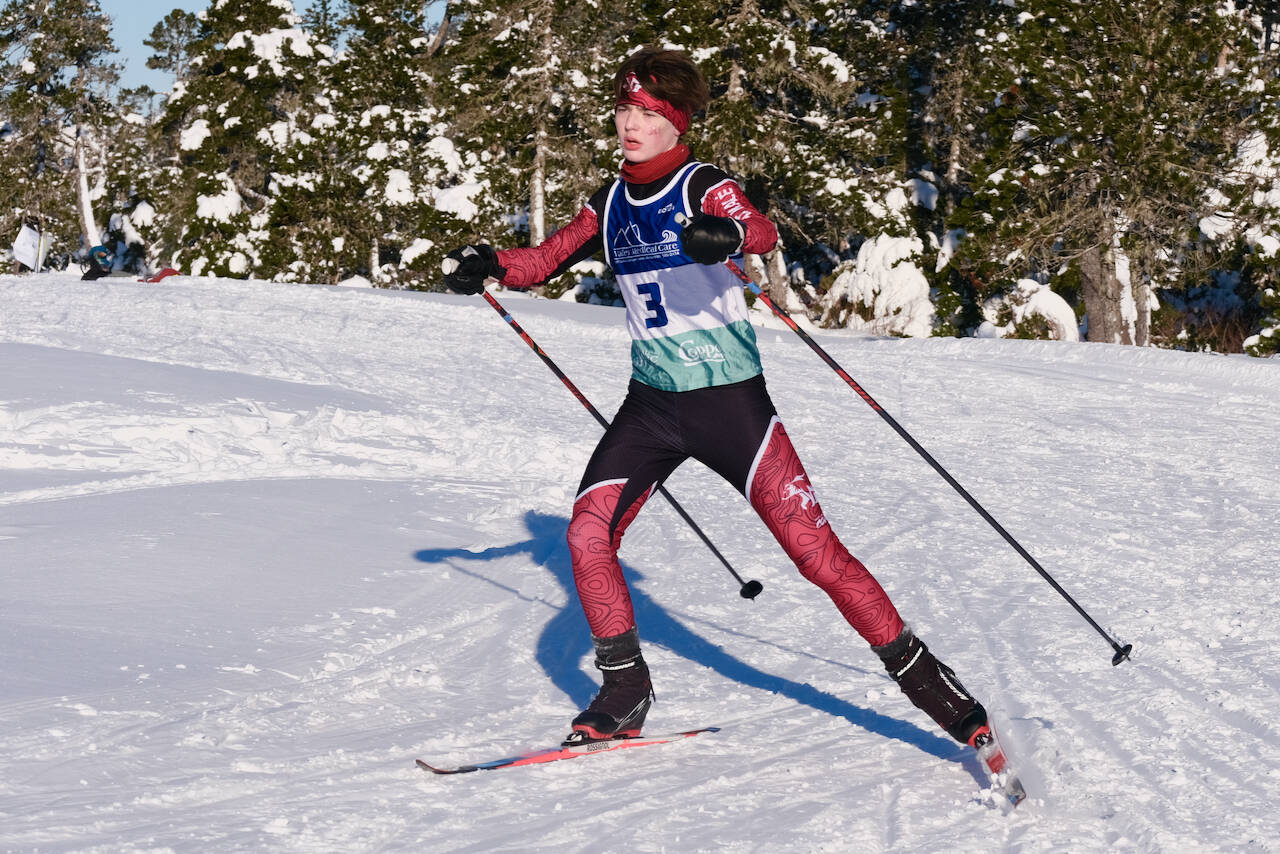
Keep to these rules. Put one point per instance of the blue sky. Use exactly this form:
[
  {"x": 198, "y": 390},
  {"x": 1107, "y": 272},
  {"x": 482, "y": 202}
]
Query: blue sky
[{"x": 132, "y": 21}]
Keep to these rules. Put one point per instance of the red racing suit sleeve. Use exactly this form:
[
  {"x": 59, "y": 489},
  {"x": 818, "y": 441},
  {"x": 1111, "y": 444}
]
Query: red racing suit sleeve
[
  {"x": 529, "y": 267},
  {"x": 726, "y": 198}
]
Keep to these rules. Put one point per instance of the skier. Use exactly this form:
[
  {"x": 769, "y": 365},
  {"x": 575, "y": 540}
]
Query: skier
[{"x": 666, "y": 226}]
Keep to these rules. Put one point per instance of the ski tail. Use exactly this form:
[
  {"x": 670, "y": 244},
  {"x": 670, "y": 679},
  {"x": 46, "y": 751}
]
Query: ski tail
[{"x": 995, "y": 762}]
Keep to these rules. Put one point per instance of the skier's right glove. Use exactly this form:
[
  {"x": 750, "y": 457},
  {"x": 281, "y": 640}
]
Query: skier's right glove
[{"x": 466, "y": 269}]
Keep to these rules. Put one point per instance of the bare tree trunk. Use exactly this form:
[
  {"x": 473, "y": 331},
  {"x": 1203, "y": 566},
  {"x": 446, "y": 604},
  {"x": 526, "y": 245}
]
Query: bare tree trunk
[
  {"x": 778, "y": 282},
  {"x": 1103, "y": 299},
  {"x": 1142, "y": 301},
  {"x": 538, "y": 187},
  {"x": 437, "y": 41},
  {"x": 373, "y": 260},
  {"x": 538, "y": 180},
  {"x": 87, "y": 224},
  {"x": 955, "y": 149}
]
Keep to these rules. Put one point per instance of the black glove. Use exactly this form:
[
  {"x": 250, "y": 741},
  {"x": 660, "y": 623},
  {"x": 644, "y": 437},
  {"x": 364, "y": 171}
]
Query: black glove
[
  {"x": 711, "y": 239},
  {"x": 466, "y": 269}
]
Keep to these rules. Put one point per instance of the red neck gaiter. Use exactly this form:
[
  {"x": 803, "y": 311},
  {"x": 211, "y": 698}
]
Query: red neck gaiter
[{"x": 651, "y": 170}]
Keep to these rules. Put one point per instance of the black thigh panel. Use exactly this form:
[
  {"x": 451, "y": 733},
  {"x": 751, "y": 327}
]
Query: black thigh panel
[
  {"x": 655, "y": 431},
  {"x": 724, "y": 426}
]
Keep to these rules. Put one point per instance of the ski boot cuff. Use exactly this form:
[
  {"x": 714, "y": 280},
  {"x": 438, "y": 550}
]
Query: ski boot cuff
[
  {"x": 895, "y": 650},
  {"x": 618, "y": 651}
]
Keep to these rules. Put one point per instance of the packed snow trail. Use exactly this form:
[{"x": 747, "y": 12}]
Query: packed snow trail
[{"x": 262, "y": 545}]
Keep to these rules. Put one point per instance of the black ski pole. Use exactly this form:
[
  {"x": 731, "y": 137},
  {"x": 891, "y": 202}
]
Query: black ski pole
[
  {"x": 1121, "y": 652},
  {"x": 749, "y": 589}
]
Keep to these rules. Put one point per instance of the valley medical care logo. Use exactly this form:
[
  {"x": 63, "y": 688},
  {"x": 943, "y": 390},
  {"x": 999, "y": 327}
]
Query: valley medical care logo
[{"x": 628, "y": 246}]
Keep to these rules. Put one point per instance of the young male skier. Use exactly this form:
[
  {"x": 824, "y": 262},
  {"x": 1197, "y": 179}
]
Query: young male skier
[{"x": 666, "y": 226}]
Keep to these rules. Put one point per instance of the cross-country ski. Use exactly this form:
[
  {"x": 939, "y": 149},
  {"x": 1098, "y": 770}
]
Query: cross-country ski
[{"x": 565, "y": 751}]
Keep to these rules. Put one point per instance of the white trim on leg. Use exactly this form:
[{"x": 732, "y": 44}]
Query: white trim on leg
[
  {"x": 595, "y": 486},
  {"x": 755, "y": 463}
]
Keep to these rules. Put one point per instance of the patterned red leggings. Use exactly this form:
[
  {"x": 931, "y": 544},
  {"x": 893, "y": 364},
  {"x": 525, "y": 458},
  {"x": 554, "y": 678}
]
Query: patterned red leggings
[{"x": 647, "y": 442}]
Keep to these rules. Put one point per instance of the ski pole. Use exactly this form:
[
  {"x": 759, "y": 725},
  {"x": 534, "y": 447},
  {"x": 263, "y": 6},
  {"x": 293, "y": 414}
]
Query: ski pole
[
  {"x": 749, "y": 589},
  {"x": 1121, "y": 652}
]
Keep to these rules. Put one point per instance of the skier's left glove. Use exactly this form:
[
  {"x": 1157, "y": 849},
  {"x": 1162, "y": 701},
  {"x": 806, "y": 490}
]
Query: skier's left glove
[
  {"x": 465, "y": 269},
  {"x": 711, "y": 239}
]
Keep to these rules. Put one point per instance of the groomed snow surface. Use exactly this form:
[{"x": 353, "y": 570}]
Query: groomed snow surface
[{"x": 263, "y": 545}]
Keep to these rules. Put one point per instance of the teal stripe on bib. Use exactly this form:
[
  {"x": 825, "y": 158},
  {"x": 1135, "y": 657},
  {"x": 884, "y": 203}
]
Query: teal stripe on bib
[{"x": 698, "y": 359}]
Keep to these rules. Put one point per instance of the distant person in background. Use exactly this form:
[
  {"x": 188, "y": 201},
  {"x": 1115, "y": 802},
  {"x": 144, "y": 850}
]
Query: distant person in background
[{"x": 99, "y": 264}]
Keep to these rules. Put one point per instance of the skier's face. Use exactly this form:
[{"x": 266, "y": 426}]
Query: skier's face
[{"x": 643, "y": 134}]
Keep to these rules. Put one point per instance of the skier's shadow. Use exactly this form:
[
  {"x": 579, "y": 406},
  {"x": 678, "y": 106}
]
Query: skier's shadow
[{"x": 566, "y": 639}]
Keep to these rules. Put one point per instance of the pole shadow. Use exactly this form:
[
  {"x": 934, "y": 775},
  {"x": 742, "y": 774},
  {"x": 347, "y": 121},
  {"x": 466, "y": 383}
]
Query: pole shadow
[{"x": 566, "y": 638}]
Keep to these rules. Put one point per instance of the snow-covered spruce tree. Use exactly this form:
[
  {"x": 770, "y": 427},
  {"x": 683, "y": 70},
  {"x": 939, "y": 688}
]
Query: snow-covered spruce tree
[
  {"x": 361, "y": 193},
  {"x": 1267, "y": 340},
  {"x": 1115, "y": 126},
  {"x": 250, "y": 87},
  {"x": 941, "y": 57},
  {"x": 55, "y": 73},
  {"x": 782, "y": 119},
  {"x": 128, "y": 186},
  {"x": 525, "y": 87}
]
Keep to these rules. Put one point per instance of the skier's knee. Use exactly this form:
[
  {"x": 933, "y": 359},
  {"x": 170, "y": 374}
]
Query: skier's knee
[{"x": 587, "y": 534}]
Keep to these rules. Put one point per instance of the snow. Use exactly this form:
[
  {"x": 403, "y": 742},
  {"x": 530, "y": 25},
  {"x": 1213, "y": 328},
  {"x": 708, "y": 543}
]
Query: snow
[
  {"x": 837, "y": 67},
  {"x": 1031, "y": 299},
  {"x": 457, "y": 200},
  {"x": 885, "y": 277},
  {"x": 399, "y": 187},
  {"x": 265, "y": 544},
  {"x": 418, "y": 247},
  {"x": 194, "y": 136},
  {"x": 143, "y": 214},
  {"x": 223, "y": 206},
  {"x": 270, "y": 46}
]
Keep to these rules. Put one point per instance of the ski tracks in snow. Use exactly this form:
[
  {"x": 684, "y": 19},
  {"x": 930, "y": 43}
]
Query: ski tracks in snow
[{"x": 275, "y": 541}]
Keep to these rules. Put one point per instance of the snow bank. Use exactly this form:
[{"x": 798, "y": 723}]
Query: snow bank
[{"x": 886, "y": 281}]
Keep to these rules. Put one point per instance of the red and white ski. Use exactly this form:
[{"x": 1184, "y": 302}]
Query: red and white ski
[{"x": 570, "y": 751}]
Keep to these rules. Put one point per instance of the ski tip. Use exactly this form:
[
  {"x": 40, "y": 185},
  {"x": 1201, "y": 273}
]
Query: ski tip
[{"x": 434, "y": 770}]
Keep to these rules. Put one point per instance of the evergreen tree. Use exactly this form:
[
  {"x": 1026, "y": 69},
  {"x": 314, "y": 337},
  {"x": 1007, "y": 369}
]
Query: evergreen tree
[
  {"x": 784, "y": 120},
  {"x": 128, "y": 186},
  {"x": 526, "y": 90},
  {"x": 1116, "y": 127},
  {"x": 373, "y": 158},
  {"x": 249, "y": 90},
  {"x": 1267, "y": 341},
  {"x": 55, "y": 74},
  {"x": 322, "y": 20},
  {"x": 171, "y": 39}
]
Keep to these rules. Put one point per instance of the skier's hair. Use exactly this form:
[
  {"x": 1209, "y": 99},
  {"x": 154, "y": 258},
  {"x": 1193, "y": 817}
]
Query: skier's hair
[{"x": 666, "y": 74}]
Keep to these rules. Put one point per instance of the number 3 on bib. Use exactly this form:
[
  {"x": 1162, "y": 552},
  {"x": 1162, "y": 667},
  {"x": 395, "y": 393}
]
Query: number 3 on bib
[{"x": 653, "y": 304}]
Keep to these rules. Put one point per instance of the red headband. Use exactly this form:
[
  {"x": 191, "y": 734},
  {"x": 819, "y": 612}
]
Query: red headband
[{"x": 634, "y": 93}]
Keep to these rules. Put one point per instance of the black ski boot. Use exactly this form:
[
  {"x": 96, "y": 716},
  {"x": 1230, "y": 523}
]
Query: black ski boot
[
  {"x": 933, "y": 688},
  {"x": 619, "y": 709}
]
